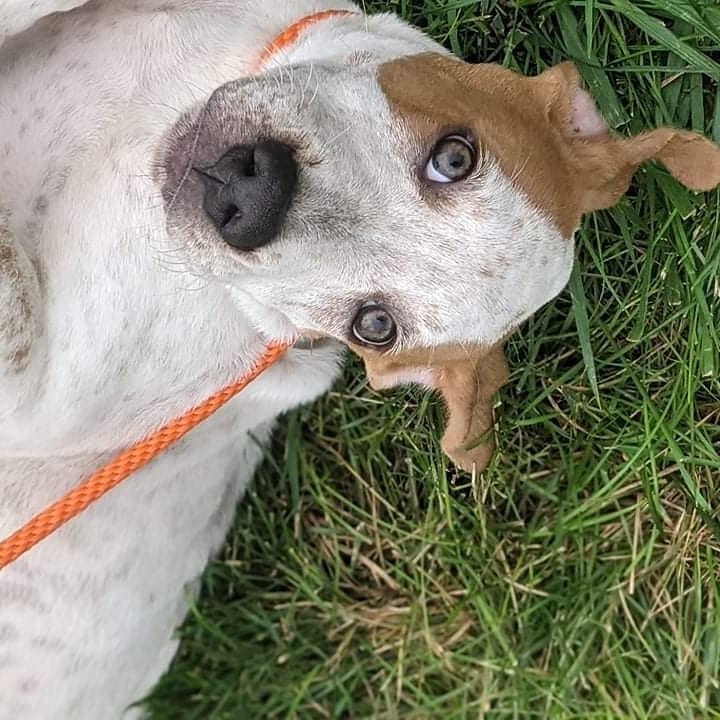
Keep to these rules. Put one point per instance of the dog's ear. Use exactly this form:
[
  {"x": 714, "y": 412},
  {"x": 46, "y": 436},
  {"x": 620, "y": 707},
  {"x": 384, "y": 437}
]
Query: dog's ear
[
  {"x": 467, "y": 378},
  {"x": 568, "y": 106},
  {"x": 468, "y": 388},
  {"x": 691, "y": 159},
  {"x": 603, "y": 163}
]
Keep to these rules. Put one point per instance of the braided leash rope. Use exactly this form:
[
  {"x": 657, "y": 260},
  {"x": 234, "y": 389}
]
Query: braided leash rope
[{"x": 126, "y": 463}]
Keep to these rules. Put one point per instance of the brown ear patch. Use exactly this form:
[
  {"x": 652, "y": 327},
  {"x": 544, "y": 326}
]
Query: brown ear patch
[
  {"x": 467, "y": 377},
  {"x": 545, "y": 132},
  {"x": 690, "y": 158}
]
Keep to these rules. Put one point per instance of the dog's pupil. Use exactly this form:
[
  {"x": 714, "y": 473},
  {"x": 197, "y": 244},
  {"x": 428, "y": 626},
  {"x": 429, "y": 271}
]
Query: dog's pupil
[
  {"x": 453, "y": 158},
  {"x": 379, "y": 323},
  {"x": 374, "y": 325}
]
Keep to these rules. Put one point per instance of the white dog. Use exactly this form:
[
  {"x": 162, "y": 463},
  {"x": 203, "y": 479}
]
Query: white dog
[{"x": 176, "y": 188}]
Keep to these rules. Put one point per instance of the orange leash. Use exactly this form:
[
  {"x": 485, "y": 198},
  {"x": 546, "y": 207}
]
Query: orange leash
[
  {"x": 126, "y": 463},
  {"x": 140, "y": 454}
]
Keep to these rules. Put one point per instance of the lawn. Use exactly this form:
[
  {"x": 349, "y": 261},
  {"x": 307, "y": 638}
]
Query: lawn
[{"x": 579, "y": 577}]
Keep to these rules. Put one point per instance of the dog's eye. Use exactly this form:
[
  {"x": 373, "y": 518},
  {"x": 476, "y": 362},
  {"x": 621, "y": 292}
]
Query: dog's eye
[
  {"x": 373, "y": 325},
  {"x": 452, "y": 159}
]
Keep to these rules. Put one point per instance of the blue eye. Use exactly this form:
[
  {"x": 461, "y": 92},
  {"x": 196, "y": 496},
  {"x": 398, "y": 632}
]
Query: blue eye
[
  {"x": 452, "y": 159},
  {"x": 373, "y": 325}
]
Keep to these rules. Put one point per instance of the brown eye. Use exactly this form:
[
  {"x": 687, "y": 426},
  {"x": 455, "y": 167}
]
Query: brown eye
[
  {"x": 452, "y": 159},
  {"x": 373, "y": 325}
]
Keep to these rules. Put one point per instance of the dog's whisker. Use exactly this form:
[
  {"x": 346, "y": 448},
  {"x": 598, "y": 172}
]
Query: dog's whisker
[
  {"x": 316, "y": 91},
  {"x": 327, "y": 145},
  {"x": 518, "y": 169},
  {"x": 191, "y": 156}
]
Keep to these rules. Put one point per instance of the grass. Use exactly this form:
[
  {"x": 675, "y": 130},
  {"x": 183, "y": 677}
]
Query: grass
[{"x": 579, "y": 577}]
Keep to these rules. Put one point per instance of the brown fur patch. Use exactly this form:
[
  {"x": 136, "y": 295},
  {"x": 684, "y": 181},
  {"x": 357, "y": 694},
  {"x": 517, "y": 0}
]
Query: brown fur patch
[
  {"x": 531, "y": 127},
  {"x": 551, "y": 142},
  {"x": 468, "y": 378}
]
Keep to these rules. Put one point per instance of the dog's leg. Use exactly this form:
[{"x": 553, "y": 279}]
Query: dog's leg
[
  {"x": 19, "y": 15},
  {"x": 20, "y": 321}
]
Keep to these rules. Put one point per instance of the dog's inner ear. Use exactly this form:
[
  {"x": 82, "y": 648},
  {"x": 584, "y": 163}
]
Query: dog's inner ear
[
  {"x": 570, "y": 108},
  {"x": 603, "y": 164},
  {"x": 467, "y": 378}
]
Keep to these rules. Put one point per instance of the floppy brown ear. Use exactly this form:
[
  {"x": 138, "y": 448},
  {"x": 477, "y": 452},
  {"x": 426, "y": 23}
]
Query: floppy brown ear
[
  {"x": 602, "y": 163},
  {"x": 468, "y": 378},
  {"x": 691, "y": 159},
  {"x": 468, "y": 389}
]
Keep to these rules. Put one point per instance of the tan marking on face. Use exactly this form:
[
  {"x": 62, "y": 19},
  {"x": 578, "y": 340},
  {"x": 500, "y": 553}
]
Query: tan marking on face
[
  {"x": 544, "y": 132},
  {"x": 548, "y": 138},
  {"x": 505, "y": 112}
]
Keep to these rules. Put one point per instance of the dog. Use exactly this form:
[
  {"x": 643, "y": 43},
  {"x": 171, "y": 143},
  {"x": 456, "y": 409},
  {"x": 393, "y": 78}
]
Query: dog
[{"x": 178, "y": 187}]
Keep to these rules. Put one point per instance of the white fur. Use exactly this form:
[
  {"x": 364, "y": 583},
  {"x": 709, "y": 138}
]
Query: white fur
[
  {"x": 135, "y": 328},
  {"x": 18, "y": 15}
]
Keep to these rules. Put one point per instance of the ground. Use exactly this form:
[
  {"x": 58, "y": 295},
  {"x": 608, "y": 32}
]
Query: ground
[{"x": 579, "y": 577}]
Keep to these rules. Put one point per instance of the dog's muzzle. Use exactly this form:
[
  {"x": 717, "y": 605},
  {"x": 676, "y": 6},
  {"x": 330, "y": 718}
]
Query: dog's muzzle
[{"x": 248, "y": 191}]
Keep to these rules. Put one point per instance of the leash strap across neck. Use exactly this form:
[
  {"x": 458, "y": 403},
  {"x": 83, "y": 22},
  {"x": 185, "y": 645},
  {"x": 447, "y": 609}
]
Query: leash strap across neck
[
  {"x": 126, "y": 463},
  {"x": 141, "y": 453}
]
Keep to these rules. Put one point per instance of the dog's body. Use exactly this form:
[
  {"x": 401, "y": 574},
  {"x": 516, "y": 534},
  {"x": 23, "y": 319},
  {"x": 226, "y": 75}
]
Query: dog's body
[
  {"x": 87, "y": 618},
  {"x": 119, "y": 310}
]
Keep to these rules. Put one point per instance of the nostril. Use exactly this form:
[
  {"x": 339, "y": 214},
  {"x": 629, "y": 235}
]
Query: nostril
[
  {"x": 248, "y": 192},
  {"x": 229, "y": 214},
  {"x": 248, "y": 167},
  {"x": 237, "y": 162}
]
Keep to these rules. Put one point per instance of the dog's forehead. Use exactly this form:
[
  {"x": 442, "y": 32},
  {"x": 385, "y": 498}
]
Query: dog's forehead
[{"x": 507, "y": 113}]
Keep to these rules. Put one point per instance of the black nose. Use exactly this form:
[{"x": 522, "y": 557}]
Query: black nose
[{"x": 248, "y": 192}]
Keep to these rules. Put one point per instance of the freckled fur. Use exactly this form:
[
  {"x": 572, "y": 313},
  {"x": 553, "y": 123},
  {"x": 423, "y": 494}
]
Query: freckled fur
[
  {"x": 19, "y": 311},
  {"x": 120, "y": 308}
]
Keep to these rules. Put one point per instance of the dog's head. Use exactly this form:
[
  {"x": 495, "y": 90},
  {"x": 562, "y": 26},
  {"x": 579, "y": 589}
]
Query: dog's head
[{"x": 418, "y": 210}]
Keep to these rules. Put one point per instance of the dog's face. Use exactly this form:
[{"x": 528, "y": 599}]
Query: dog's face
[
  {"x": 399, "y": 206},
  {"x": 418, "y": 210},
  {"x": 385, "y": 221}
]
